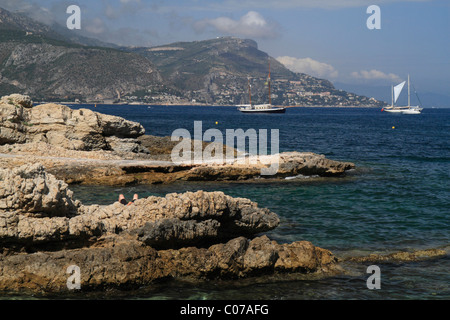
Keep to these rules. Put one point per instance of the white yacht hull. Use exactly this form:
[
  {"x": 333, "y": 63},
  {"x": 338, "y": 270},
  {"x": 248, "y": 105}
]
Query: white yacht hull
[
  {"x": 392, "y": 110},
  {"x": 403, "y": 110},
  {"x": 266, "y": 110},
  {"x": 411, "y": 111}
]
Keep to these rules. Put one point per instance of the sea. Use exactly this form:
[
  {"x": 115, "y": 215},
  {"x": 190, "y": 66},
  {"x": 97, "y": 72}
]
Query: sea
[{"x": 396, "y": 199}]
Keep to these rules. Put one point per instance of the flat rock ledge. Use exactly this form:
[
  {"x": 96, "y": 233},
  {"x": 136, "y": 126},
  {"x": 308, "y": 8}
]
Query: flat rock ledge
[
  {"x": 194, "y": 236},
  {"x": 86, "y": 169},
  {"x": 87, "y": 147}
]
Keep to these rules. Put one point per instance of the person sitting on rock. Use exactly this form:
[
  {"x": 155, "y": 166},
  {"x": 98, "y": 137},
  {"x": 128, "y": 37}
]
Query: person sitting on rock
[{"x": 123, "y": 201}]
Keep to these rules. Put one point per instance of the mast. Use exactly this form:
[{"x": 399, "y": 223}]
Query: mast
[
  {"x": 409, "y": 97},
  {"x": 392, "y": 95},
  {"x": 249, "y": 92},
  {"x": 270, "y": 97}
]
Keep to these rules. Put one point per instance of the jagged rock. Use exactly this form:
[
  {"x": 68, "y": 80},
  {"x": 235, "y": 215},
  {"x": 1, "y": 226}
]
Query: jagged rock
[
  {"x": 308, "y": 163},
  {"x": 119, "y": 127},
  {"x": 30, "y": 190},
  {"x": 59, "y": 125},
  {"x": 261, "y": 253},
  {"x": 212, "y": 217},
  {"x": 34, "y": 205},
  {"x": 173, "y": 233},
  {"x": 36, "y": 208},
  {"x": 129, "y": 246},
  {"x": 126, "y": 263},
  {"x": 16, "y": 99}
]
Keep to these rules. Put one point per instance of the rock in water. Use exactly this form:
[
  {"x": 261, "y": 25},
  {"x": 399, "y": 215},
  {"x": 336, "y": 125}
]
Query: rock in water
[
  {"x": 37, "y": 208},
  {"x": 127, "y": 264},
  {"x": 61, "y": 126},
  {"x": 118, "y": 246}
]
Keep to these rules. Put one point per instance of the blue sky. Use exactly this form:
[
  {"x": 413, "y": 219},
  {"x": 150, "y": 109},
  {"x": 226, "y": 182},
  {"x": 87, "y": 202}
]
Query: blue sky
[{"x": 325, "y": 38}]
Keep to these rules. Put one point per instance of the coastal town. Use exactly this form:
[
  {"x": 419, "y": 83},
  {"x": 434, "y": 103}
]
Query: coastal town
[{"x": 225, "y": 90}]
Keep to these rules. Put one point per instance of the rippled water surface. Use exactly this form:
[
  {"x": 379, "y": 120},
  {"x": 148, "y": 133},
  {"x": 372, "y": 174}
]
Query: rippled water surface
[{"x": 396, "y": 199}]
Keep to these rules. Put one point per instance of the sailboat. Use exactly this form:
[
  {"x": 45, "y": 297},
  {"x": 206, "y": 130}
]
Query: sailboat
[
  {"x": 406, "y": 109},
  {"x": 260, "y": 108}
]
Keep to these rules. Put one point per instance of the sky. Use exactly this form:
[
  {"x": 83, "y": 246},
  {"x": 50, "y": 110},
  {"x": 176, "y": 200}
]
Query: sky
[{"x": 329, "y": 39}]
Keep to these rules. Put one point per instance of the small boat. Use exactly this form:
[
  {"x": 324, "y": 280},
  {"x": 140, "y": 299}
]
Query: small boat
[
  {"x": 406, "y": 109},
  {"x": 260, "y": 108}
]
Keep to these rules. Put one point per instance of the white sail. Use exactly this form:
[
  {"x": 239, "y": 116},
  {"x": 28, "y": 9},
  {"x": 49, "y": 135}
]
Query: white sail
[{"x": 397, "y": 90}]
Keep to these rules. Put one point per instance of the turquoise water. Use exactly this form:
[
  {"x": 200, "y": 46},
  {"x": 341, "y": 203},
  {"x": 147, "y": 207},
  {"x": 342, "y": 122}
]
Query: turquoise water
[{"x": 396, "y": 199}]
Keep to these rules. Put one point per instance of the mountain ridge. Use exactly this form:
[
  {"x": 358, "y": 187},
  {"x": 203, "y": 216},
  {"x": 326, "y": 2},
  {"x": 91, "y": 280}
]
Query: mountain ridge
[
  {"x": 19, "y": 22},
  {"x": 43, "y": 63}
]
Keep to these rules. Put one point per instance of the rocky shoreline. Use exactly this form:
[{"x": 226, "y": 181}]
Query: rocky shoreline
[
  {"x": 119, "y": 172},
  {"x": 194, "y": 236},
  {"x": 86, "y": 147},
  {"x": 201, "y": 235}
]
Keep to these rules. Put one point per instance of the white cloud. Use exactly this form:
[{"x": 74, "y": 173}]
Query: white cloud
[
  {"x": 252, "y": 24},
  {"x": 309, "y": 66},
  {"x": 324, "y": 4},
  {"x": 95, "y": 26},
  {"x": 123, "y": 9},
  {"x": 375, "y": 75}
]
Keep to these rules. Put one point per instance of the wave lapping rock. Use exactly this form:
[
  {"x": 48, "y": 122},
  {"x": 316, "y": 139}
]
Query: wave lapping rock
[{"x": 121, "y": 263}]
